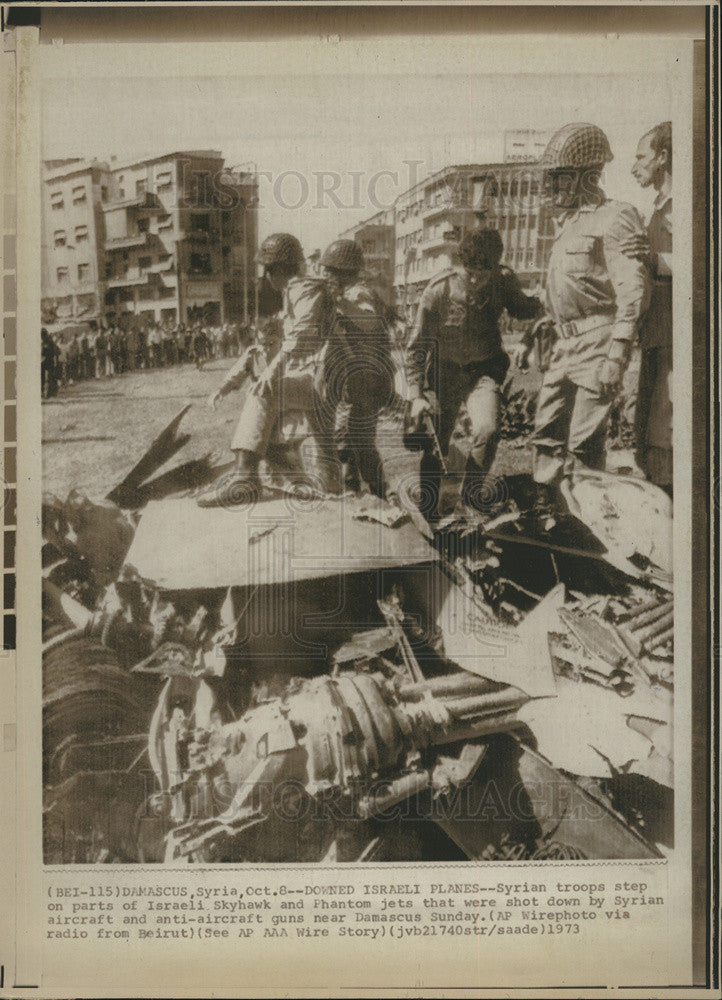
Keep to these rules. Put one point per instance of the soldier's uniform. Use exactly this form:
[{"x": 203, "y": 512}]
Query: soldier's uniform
[
  {"x": 296, "y": 378},
  {"x": 364, "y": 377},
  {"x": 596, "y": 295},
  {"x": 456, "y": 334},
  {"x": 653, "y": 414}
]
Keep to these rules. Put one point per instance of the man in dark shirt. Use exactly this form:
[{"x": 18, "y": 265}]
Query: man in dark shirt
[{"x": 456, "y": 337}]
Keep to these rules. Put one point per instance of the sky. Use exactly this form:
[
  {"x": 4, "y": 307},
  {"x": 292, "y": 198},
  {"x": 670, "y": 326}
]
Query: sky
[{"x": 362, "y": 119}]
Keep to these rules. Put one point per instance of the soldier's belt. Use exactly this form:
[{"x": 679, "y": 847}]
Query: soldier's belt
[{"x": 576, "y": 327}]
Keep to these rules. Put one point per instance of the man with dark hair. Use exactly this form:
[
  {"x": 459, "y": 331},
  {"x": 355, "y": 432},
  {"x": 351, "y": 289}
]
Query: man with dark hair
[
  {"x": 653, "y": 416},
  {"x": 596, "y": 296},
  {"x": 455, "y": 348},
  {"x": 294, "y": 380},
  {"x": 363, "y": 381}
]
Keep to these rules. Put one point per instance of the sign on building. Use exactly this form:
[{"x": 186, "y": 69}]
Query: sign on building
[{"x": 524, "y": 144}]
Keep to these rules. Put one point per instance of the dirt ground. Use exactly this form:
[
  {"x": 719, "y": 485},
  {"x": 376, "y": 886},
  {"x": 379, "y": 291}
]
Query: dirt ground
[{"x": 95, "y": 431}]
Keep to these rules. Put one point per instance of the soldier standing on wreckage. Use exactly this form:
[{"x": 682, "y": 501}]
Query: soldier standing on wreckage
[
  {"x": 456, "y": 336},
  {"x": 294, "y": 380},
  {"x": 362, "y": 375},
  {"x": 596, "y": 296}
]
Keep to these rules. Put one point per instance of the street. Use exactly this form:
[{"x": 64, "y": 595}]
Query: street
[{"x": 95, "y": 431}]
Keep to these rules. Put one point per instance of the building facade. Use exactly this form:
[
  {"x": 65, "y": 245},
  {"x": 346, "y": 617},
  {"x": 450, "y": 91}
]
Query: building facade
[
  {"x": 375, "y": 236},
  {"x": 174, "y": 239},
  {"x": 73, "y": 240},
  {"x": 429, "y": 221},
  {"x": 509, "y": 197}
]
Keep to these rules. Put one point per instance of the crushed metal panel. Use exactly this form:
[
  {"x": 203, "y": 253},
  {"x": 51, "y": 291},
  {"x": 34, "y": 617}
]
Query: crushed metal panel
[
  {"x": 585, "y": 729},
  {"x": 181, "y": 546},
  {"x": 162, "y": 448},
  {"x": 630, "y": 517},
  {"x": 485, "y": 646}
]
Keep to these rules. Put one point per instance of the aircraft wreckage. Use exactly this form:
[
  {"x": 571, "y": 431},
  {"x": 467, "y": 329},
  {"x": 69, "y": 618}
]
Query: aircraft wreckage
[{"x": 314, "y": 678}]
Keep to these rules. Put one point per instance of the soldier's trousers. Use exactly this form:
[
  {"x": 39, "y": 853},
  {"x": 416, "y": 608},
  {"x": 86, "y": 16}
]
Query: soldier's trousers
[
  {"x": 357, "y": 417},
  {"x": 476, "y": 385},
  {"x": 263, "y": 413},
  {"x": 570, "y": 427}
]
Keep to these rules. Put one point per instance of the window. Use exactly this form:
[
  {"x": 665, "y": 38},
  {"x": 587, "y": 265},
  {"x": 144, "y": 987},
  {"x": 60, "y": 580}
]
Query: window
[
  {"x": 103, "y": 193},
  {"x": 144, "y": 264},
  {"x": 57, "y": 200},
  {"x": 79, "y": 194},
  {"x": 59, "y": 238},
  {"x": 164, "y": 180},
  {"x": 143, "y": 225},
  {"x": 200, "y": 263},
  {"x": 62, "y": 275},
  {"x": 83, "y": 272},
  {"x": 81, "y": 234},
  {"x": 165, "y": 222},
  {"x": 139, "y": 188},
  {"x": 121, "y": 193},
  {"x": 200, "y": 223}
]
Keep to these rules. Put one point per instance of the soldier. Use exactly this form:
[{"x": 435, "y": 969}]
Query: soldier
[
  {"x": 294, "y": 380},
  {"x": 596, "y": 296},
  {"x": 653, "y": 414},
  {"x": 365, "y": 383},
  {"x": 456, "y": 334}
]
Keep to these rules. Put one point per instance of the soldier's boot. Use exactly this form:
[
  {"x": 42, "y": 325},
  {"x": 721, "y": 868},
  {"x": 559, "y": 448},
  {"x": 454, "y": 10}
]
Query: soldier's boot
[
  {"x": 240, "y": 487},
  {"x": 350, "y": 473},
  {"x": 547, "y": 508}
]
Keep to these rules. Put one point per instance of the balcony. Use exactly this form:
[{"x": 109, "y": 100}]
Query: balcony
[
  {"x": 135, "y": 280},
  {"x": 445, "y": 207},
  {"x": 147, "y": 202},
  {"x": 126, "y": 242},
  {"x": 439, "y": 242}
]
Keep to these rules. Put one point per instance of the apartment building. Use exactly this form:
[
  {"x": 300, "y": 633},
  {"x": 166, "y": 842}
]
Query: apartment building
[
  {"x": 180, "y": 240},
  {"x": 73, "y": 239},
  {"x": 429, "y": 221},
  {"x": 375, "y": 236},
  {"x": 508, "y": 197},
  {"x": 431, "y": 218},
  {"x": 170, "y": 238}
]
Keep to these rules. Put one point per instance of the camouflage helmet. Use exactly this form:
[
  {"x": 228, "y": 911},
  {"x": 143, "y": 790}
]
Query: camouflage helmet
[
  {"x": 576, "y": 146},
  {"x": 281, "y": 248},
  {"x": 343, "y": 255}
]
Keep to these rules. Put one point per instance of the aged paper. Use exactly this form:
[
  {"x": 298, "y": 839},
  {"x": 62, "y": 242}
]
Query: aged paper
[{"x": 355, "y": 578}]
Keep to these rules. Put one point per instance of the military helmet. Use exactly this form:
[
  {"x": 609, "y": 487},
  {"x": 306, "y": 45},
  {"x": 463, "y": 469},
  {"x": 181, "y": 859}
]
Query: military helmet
[
  {"x": 281, "y": 248},
  {"x": 481, "y": 248},
  {"x": 576, "y": 146},
  {"x": 343, "y": 255}
]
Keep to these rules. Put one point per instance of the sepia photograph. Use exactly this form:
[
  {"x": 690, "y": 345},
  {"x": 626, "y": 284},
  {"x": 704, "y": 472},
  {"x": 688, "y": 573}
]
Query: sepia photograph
[
  {"x": 360, "y": 500},
  {"x": 356, "y": 376}
]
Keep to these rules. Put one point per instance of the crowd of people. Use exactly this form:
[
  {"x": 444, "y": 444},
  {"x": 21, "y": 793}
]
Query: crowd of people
[{"x": 108, "y": 350}]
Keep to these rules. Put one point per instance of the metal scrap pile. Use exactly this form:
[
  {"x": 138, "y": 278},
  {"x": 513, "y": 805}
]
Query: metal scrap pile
[{"x": 314, "y": 712}]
